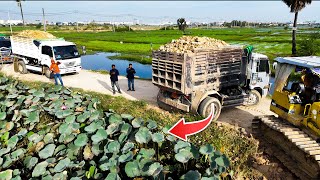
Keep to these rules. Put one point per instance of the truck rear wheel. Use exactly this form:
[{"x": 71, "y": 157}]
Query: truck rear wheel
[
  {"x": 254, "y": 98},
  {"x": 205, "y": 107},
  {"x": 22, "y": 67}
]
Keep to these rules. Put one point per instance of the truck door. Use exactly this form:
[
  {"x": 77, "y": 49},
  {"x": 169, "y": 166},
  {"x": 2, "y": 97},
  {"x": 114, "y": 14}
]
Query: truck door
[
  {"x": 46, "y": 54},
  {"x": 260, "y": 78}
]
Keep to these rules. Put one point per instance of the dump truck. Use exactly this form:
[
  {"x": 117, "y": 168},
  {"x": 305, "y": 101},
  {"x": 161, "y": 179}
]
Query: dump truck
[
  {"x": 293, "y": 134},
  {"x": 223, "y": 77},
  {"x": 36, "y": 54}
]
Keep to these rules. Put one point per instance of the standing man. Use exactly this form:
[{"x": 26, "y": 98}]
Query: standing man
[
  {"x": 54, "y": 68},
  {"x": 130, "y": 76},
  {"x": 114, "y": 73}
]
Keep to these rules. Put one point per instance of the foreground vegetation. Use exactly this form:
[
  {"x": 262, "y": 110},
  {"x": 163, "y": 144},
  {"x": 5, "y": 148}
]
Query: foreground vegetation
[{"x": 229, "y": 141}]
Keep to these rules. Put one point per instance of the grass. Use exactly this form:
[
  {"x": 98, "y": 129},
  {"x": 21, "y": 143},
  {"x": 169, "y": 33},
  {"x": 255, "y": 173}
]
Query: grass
[
  {"x": 138, "y": 45},
  {"x": 236, "y": 146}
]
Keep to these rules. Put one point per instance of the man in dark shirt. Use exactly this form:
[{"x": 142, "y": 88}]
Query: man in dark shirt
[
  {"x": 114, "y": 73},
  {"x": 130, "y": 76}
]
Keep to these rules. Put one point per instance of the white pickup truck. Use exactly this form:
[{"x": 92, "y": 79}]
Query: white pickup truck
[{"x": 36, "y": 55}]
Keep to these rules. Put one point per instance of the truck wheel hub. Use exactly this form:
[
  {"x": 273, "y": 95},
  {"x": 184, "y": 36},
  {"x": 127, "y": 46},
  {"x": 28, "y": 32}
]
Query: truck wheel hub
[{"x": 252, "y": 98}]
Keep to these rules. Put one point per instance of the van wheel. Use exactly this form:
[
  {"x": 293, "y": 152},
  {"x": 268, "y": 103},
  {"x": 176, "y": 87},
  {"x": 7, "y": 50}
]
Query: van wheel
[
  {"x": 47, "y": 72},
  {"x": 205, "y": 107},
  {"x": 22, "y": 67},
  {"x": 254, "y": 98}
]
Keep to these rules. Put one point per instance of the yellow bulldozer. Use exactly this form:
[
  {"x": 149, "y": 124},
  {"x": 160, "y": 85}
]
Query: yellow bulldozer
[{"x": 293, "y": 133}]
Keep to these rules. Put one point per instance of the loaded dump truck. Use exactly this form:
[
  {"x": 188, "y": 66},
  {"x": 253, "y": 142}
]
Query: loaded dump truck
[
  {"x": 34, "y": 54},
  {"x": 223, "y": 75}
]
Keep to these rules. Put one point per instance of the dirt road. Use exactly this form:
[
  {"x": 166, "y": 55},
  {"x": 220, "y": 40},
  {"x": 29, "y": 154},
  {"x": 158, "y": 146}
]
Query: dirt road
[{"x": 145, "y": 90}]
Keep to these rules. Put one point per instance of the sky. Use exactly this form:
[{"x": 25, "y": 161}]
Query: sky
[{"x": 158, "y": 11}]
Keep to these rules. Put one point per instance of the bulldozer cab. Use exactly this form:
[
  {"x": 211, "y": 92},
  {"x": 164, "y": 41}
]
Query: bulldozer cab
[{"x": 296, "y": 88}]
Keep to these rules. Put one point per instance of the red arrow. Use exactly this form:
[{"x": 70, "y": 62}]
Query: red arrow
[{"x": 183, "y": 129}]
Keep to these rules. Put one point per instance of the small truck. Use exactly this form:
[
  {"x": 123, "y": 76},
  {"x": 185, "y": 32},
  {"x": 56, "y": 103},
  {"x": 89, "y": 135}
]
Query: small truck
[
  {"x": 35, "y": 55},
  {"x": 224, "y": 77}
]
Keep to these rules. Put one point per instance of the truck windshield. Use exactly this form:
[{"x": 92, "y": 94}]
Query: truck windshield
[
  {"x": 5, "y": 43},
  {"x": 65, "y": 52}
]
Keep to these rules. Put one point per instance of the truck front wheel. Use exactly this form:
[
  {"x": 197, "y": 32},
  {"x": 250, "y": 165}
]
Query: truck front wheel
[
  {"x": 205, "y": 107},
  {"x": 47, "y": 72},
  {"x": 22, "y": 67},
  {"x": 254, "y": 98}
]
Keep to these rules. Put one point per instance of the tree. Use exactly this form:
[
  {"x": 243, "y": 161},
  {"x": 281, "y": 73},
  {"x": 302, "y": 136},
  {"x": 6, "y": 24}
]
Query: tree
[
  {"x": 20, "y": 5},
  {"x": 182, "y": 24},
  {"x": 295, "y": 6},
  {"x": 310, "y": 45}
]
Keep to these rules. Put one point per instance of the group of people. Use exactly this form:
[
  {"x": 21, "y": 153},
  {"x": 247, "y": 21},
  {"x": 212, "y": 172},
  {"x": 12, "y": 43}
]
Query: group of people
[{"x": 114, "y": 73}]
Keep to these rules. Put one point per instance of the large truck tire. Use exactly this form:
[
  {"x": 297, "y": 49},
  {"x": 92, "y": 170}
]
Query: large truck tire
[
  {"x": 47, "y": 72},
  {"x": 254, "y": 98},
  {"x": 22, "y": 67},
  {"x": 205, "y": 107}
]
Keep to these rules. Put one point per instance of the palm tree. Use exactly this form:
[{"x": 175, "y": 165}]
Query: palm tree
[
  {"x": 20, "y": 5},
  {"x": 295, "y": 6}
]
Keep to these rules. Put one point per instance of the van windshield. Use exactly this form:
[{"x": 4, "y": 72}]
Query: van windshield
[{"x": 65, "y": 52}]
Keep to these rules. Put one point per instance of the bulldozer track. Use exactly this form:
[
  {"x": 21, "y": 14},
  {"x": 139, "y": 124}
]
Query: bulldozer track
[{"x": 296, "y": 150}]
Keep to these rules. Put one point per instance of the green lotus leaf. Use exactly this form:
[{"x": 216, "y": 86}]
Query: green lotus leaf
[
  {"x": 132, "y": 169},
  {"x": 9, "y": 126},
  {"x": 51, "y": 161},
  {"x": 144, "y": 165},
  {"x": 92, "y": 127},
  {"x": 155, "y": 169},
  {"x": 146, "y": 153},
  {"x": 136, "y": 123},
  {"x": 75, "y": 178},
  {"x": 206, "y": 149},
  {"x": 91, "y": 172},
  {"x": 77, "y": 165},
  {"x": 158, "y": 137},
  {"x": 3, "y": 116},
  {"x": 100, "y": 135},
  {"x": 122, "y": 138},
  {"x": 47, "y": 177},
  {"x": 221, "y": 169},
  {"x": 57, "y": 88},
  {"x": 127, "y": 147},
  {"x": 213, "y": 165},
  {"x": 143, "y": 135},
  {"x": 11, "y": 96},
  {"x": 40, "y": 169},
  {"x": 59, "y": 148},
  {"x": 17, "y": 154},
  {"x": 181, "y": 145},
  {"x": 183, "y": 156},
  {"x": 8, "y": 103},
  {"x": 126, "y": 157},
  {"x": 112, "y": 128},
  {"x": 126, "y": 128},
  {"x": 7, "y": 161},
  {"x": 16, "y": 172},
  {"x": 53, "y": 96},
  {"x": 191, "y": 175},
  {"x": 70, "y": 103},
  {"x": 35, "y": 137},
  {"x": 31, "y": 91},
  {"x": 104, "y": 167},
  {"x": 22, "y": 132},
  {"x": 113, "y": 176},
  {"x": 112, "y": 147},
  {"x": 29, "y": 162},
  {"x": 62, "y": 175},
  {"x": 152, "y": 124},
  {"x": 48, "y": 138},
  {"x": 127, "y": 116},
  {"x": 103, "y": 159},
  {"x": 39, "y": 94},
  {"x": 96, "y": 149},
  {"x": 12, "y": 142},
  {"x": 69, "y": 138},
  {"x": 35, "y": 99},
  {"x": 82, "y": 117},
  {"x": 94, "y": 115},
  {"x": 47, "y": 151},
  {"x": 194, "y": 151},
  {"x": 5, "y": 137},
  {"x": 81, "y": 140},
  {"x": 4, "y": 151},
  {"x": 62, "y": 165},
  {"x": 72, "y": 151},
  {"x": 70, "y": 119},
  {"x": 210, "y": 178},
  {"x": 6, "y": 175},
  {"x": 65, "y": 129},
  {"x": 33, "y": 117}
]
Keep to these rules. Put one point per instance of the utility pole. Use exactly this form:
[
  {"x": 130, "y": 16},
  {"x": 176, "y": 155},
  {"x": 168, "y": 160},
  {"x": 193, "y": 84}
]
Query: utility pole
[
  {"x": 10, "y": 22},
  {"x": 44, "y": 20}
]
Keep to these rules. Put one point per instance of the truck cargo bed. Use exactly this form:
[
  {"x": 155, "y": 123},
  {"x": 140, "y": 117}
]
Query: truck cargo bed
[{"x": 210, "y": 69}]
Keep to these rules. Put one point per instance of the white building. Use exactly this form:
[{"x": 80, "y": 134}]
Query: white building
[{"x": 13, "y": 22}]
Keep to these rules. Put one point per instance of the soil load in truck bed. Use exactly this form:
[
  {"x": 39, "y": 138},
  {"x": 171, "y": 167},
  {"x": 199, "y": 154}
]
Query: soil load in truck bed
[
  {"x": 200, "y": 63},
  {"x": 34, "y": 34}
]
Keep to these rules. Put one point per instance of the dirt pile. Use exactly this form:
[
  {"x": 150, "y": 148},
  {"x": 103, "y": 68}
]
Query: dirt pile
[
  {"x": 36, "y": 34},
  {"x": 187, "y": 44}
]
